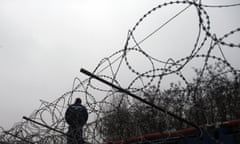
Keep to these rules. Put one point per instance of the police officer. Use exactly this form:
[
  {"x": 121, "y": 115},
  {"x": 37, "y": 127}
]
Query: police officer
[{"x": 76, "y": 116}]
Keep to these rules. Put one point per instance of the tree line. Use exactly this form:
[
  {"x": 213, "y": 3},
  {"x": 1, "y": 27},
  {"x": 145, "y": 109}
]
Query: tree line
[{"x": 213, "y": 96}]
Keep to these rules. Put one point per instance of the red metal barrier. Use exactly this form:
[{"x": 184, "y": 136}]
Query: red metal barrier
[{"x": 183, "y": 132}]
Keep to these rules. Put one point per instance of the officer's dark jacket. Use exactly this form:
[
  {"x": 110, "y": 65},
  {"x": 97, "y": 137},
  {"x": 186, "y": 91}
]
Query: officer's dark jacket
[{"x": 76, "y": 115}]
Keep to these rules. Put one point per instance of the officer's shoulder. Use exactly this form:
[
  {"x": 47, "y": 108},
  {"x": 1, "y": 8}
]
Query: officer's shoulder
[{"x": 74, "y": 106}]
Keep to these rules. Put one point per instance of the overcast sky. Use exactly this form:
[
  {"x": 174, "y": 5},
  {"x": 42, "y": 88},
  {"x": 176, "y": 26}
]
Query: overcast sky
[{"x": 44, "y": 43}]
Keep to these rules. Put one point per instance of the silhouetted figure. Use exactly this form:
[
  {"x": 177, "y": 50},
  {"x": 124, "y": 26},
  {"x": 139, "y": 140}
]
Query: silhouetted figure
[{"x": 76, "y": 116}]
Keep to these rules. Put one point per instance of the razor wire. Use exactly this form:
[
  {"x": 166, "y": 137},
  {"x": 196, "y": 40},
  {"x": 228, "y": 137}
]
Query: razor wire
[{"x": 97, "y": 96}]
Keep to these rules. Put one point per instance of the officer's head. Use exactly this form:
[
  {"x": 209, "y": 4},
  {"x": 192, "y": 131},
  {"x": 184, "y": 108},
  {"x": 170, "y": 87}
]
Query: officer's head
[{"x": 78, "y": 101}]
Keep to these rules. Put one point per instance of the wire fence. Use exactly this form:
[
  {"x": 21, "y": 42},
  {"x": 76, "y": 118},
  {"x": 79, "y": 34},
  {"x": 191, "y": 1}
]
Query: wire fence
[{"x": 48, "y": 124}]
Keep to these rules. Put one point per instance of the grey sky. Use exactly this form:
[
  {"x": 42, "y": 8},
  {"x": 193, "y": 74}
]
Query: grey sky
[{"x": 44, "y": 43}]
